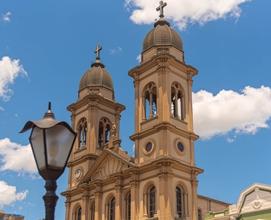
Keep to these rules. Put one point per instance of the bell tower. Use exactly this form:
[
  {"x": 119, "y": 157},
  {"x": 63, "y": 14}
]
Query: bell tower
[
  {"x": 95, "y": 116},
  {"x": 163, "y": 97},
  {"x": 164, "y": 135}
]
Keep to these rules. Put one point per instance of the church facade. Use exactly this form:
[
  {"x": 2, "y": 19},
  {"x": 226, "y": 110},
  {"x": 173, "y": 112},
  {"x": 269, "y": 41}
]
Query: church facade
[{"x": 160, "y": 180}]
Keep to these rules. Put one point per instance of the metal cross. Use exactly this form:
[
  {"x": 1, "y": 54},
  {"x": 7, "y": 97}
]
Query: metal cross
[
  {"x": 161, "y": 8},
  {"x": 98, "y": 51}
]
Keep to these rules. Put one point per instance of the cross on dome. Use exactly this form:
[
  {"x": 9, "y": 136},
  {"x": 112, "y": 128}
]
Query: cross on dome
[
  {"x": 160, "y": 8},
  {"x": 98, "y": 51}
]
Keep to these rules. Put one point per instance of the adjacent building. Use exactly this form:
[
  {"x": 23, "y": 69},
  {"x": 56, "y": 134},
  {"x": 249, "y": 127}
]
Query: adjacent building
[
  {"x": 254, "y": 203},
  {"x": 5, "y": 216}
]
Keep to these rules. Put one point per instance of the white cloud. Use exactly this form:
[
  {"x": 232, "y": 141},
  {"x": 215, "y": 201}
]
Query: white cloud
[
  {"x": 6, "y": 17},
  {"x": 17, "y": 158},
  {"x": 115, "y": 50},
  {"x": 10, "y": 69},
  {"x": 230, "y": 111},
  {"x": 10, "y": 195},
  {"x": 184, "y": 12},
  {"x": 138, "y": 58},
  {"x": 230, "y": 140},
  {"x": 2, "y": 109}
]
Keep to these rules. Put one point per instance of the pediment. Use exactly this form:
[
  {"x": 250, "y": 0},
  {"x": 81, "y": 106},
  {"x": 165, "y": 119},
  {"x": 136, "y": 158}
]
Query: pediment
[
  {"x": 255, "y": 198},
  {"x": 109, "y": 167},
  {"x": 108, "y": 164}
]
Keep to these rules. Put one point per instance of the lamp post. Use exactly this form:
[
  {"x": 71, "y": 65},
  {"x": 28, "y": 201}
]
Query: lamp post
[{"x": 51, "y": 142}]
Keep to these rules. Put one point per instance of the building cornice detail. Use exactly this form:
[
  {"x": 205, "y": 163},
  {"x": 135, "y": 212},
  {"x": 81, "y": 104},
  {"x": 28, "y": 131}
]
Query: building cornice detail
[
  {"x": 162, "y": 61},
  {"x": 92, "y": 100},
  {"x": 161, "y": 126}
]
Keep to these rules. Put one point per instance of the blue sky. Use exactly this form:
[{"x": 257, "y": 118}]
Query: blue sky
[{"x": 46, "y": 46}]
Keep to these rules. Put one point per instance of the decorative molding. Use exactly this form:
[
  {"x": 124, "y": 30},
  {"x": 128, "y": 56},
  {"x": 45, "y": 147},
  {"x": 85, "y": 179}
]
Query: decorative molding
[{"x": 109, "y": 167}]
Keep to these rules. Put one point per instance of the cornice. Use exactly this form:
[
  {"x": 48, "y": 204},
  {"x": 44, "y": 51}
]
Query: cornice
[
  {"x": 164, "y": 126},
  {"x": 163, "y": 161},
  {"x": 94, "y": 99},
  {"x": 79, "y": 160},
  {"x": 162, "y": 61}
]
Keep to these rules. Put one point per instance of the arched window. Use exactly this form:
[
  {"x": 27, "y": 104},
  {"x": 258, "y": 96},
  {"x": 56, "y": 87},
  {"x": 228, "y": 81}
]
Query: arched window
[
  {"x": 177, "y": 101},
  {"x": 111, "y": 209},
  {"x": 128, "y": 206},
  {"x": 180, "y": 202},
  {"x": 82, "y": 131},
  {"x": 199, "y": 214},
  {"x": 150, "y": 101},
  {"x": 92, "y": 211},
  {"x": 151, "y": 201},
  {"x": 78, "y": 214},
  {"x": 104, "y": 132}
]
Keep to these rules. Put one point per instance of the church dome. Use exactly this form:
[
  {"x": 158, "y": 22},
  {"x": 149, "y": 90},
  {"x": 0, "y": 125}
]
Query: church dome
[
  {"x": 162, "y": 35},
  {"x": 96, "y": 76}
]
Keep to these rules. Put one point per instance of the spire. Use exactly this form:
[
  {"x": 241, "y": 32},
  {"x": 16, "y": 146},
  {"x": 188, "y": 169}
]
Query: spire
[{"x": 98, "y": 56}]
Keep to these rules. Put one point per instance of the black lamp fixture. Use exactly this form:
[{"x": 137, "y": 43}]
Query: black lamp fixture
[{"x": 51, "y": 142}]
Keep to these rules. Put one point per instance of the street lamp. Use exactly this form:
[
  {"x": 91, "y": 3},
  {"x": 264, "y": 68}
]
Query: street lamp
[{"x": 51, "y": 142}]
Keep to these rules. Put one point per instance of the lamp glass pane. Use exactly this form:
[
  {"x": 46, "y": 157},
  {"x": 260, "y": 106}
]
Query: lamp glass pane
[
  {"x": 37, "y": 142},
  {"x": 59, "y": 141}
]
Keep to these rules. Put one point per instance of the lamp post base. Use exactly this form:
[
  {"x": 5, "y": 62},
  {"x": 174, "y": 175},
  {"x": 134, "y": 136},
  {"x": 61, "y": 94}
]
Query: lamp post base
[{"x": 50, "y": 199}]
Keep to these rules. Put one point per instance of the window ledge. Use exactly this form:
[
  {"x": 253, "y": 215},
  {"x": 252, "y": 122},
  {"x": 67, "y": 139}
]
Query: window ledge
[
  {"x": 149, "y": 119},
  {"x": 179, "y": 119},
  {"x": 153, "y": 218},
  {"x": 80, "y": 149}
]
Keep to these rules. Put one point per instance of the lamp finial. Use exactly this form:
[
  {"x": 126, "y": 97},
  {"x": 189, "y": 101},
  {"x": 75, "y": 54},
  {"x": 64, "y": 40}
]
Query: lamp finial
[{"x": 49, "y": 113}]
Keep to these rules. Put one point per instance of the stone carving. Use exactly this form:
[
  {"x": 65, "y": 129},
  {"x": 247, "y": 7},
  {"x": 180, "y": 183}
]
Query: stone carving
[
  {"x": 114, "y": 131},
  {"x": 109, "y": 166},
  {"x": 257, "y": 204}
]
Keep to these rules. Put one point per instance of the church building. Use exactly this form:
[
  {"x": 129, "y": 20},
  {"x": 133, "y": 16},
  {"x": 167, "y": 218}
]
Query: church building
[{"x": 160, "y": 181}]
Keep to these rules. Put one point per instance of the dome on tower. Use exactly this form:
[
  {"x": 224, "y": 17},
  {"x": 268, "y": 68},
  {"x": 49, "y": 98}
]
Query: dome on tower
[
  {"x": 97, "y": 80},
  {"x": 162, "y": 35},
  {"x": 96, "y": 76}
]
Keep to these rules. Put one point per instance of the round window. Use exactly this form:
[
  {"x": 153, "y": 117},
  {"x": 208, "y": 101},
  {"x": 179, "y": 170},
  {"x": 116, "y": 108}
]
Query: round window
[
  {"x": 148, "y": 146},
  {"x": 180, "y": 146}
]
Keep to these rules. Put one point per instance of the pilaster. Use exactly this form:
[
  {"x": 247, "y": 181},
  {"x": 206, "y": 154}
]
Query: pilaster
[
  {"x": 85, "y": 206},
  {"x": 118, "y": 190},
  {"x": 164, "y": 205},
  {"x": 134, "y": 198},
  {"x": 68, "y": 208},
  {"x": 194, "y": 185},
  {"x": 98, "y": 202}
]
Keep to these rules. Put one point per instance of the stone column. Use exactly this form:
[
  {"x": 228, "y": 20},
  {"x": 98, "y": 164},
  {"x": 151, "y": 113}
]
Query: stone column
[
  {"x": 85, "y": 206},
  {"x": 93, "y": 126},
  {"x": 98, "y": 202},
  {"x": 134, "y": 199},
  {"x": 189, "y": 108},
  {"x": 118, "y": 188},
  {"x": 68, "y": 208},
  {"x": 139, "y": 115},
  {"x": 118, "y": 116},
  {"x": 194, "y": 184},
  {"x": 164, "y": 206},
  {"x": 162, "y": 92},
  {"x": 138, "y": 106}
]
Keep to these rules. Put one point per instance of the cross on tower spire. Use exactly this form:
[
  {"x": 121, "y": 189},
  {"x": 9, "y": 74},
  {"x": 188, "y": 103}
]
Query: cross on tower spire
[
  {"x": 160, "y": 8},
  {"x": 98, "y": 51}
]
